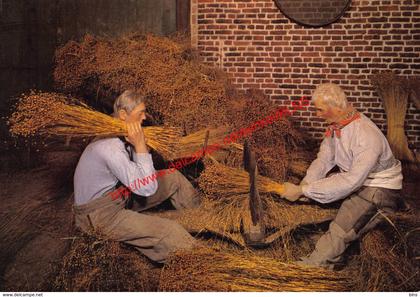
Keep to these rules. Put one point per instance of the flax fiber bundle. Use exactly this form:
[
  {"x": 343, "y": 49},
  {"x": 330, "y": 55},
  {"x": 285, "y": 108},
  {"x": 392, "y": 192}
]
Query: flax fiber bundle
[
  {"x": 50, "y": 114},
  {"x": 223, "y": 218},
  {"x": 215, "y": 270},
  {"x": 394, "y": 92}
]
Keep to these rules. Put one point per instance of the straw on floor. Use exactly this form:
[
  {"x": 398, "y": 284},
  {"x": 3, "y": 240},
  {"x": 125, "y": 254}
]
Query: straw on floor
[
  {"x": 205, "y": 269},
  {"x": 97, "y": 264},
  {"x": 382, "y": 268}
]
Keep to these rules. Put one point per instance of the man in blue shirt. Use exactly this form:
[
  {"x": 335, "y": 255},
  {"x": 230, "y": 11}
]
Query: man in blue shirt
[{"x": 110, "y": 163}]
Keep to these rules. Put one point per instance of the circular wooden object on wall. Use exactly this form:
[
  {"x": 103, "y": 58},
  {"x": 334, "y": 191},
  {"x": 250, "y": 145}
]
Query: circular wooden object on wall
[{"x": 314, "y": 13}]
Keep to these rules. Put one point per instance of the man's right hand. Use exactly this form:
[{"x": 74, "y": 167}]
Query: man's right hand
[{"x": 136, "y": 137}]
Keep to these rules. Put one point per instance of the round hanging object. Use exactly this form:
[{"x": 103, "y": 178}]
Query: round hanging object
[{"x": 314, "y": 13}]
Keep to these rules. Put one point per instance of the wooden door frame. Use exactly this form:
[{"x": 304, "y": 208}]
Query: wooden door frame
[{"x": 183, "y": 11}]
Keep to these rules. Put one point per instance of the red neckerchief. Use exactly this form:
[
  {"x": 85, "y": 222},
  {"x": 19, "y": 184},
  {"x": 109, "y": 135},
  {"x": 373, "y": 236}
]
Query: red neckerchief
[{"x": 335, "y": 128}]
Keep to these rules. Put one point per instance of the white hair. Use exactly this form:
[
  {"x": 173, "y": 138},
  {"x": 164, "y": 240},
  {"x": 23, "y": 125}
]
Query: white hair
[
  {"x": 330, "y": 94},
  {"x": 128, "y": 100}
]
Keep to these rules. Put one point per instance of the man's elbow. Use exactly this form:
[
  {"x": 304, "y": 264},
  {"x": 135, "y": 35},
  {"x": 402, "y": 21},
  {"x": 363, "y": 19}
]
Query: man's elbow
[
  {"x": 154, "y": 188},
  {"x": 323, "y": 199}
]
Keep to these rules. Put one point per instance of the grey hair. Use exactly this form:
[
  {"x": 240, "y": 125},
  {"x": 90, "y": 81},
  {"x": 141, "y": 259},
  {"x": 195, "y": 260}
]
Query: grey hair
[
  {"x": 330, "y": 94},
  {"x": 128, "y": 100}
]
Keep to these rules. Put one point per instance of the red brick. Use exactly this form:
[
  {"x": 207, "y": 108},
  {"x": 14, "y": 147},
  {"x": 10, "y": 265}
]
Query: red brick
[{"x": 265, "y": 50}]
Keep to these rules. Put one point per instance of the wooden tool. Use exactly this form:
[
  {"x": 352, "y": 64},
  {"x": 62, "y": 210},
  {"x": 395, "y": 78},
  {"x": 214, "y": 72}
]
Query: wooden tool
[{"x": 254, "y": 232}]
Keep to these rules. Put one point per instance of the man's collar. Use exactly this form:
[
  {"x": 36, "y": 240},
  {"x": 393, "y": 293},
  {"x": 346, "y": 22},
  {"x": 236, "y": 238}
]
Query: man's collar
[{"x": 335, "y": 128}]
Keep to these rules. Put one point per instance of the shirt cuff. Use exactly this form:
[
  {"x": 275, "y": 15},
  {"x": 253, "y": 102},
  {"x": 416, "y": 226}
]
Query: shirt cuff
[
  {"x": 142, "y": 158},
  {"x": 305, "y": 189}
]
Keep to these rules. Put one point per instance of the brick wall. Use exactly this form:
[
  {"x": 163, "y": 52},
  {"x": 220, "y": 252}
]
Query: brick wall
[{"x": 261, "y": 48}]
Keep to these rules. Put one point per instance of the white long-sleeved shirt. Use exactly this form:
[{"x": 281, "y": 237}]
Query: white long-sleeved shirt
[
  {"x": 364, "y": 158},
  {"x": 103, "y": 163}
]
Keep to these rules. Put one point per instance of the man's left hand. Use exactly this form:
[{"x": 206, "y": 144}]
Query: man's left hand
[{"x": 292, "y": 192}]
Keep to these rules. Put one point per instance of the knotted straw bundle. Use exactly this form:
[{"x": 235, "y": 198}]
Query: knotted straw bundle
[{"x": 394, "y": 92}]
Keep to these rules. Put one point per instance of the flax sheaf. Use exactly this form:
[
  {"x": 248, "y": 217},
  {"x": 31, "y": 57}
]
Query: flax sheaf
[
  {"x": 53, "y": 114},
  {"x": 394, "y": 92}
]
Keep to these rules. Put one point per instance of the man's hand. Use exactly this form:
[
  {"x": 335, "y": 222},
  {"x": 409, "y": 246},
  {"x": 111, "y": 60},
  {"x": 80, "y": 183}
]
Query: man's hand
[
  {"x": 136, "y": 137},
  {"x": 292, "y": 192}
]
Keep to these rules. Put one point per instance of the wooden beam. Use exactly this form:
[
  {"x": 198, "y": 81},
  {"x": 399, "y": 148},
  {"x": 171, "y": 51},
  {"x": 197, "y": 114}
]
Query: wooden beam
[{"x": 183, "y": 15}]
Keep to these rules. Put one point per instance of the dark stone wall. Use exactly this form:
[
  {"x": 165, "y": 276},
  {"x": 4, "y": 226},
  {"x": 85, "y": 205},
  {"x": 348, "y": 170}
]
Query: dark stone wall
[{"x": 30, "y": 30}]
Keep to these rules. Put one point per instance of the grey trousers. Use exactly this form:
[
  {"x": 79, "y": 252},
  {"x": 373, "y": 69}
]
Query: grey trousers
[
  {"x": 153, "y": 236},
  {"x": 358, "y": 214}
]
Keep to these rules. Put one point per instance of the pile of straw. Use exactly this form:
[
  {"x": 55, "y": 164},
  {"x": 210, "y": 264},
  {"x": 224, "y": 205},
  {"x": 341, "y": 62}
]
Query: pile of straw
[
  {"x": 278, "y": 147},
  {"x": 183, "y": 92},
  {"x": 95, "y": 264},
  {"x": 181, "y": 89},
  {"x": 216, "y": 270},
  {"x": 415, "y": 98},
  {"x": 52, "y": 114},
  {"x": 383, "y": 265},
  {"x": 17, "y": 223},
  {"x": 394, "y": 92},
  {"x": 389, "y": 254}
]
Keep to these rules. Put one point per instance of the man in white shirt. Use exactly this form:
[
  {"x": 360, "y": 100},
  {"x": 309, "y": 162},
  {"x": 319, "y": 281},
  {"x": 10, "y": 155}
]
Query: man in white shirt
[
  {"x": 108, "y": 165},
  {"x": 369, "y": 180}
]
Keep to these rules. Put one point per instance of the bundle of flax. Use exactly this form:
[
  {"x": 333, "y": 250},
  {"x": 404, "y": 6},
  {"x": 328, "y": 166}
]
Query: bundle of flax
[
  {"x": 216, "y": 270},
  {"x": 228, "y": 181},
  {"x": 228, "y": 189},
  {"x": 193, "y": 143},
  {"x": 394, "y": 92},
  {"x": 52, "y": 114}
]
